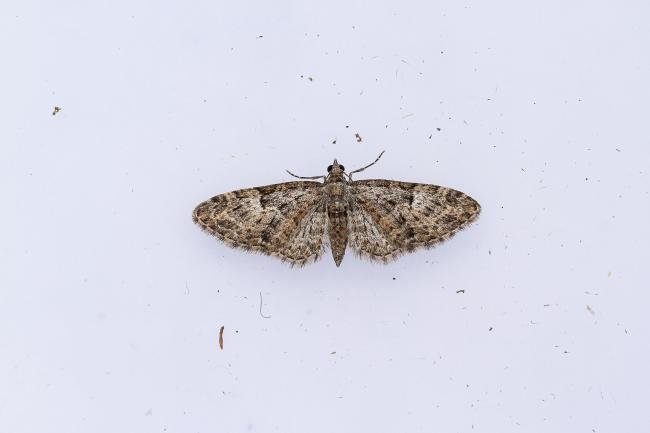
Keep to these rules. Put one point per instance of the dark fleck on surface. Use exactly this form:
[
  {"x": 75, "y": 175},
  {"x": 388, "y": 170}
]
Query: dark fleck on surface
[
  {"x": 460, "y": 291},
  {"x": 221, "y": 338},
  {"x": 358, "y": 137},
  {"x": 55, "y": 110}
]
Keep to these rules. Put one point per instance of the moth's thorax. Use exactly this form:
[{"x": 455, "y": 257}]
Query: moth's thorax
[
  {"x": 335, "y": 195},
  {"x": 335, "y": 176}
]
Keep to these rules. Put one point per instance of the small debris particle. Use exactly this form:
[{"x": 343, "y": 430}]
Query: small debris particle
[
  {"x": 490, "y": 328},
  {"x": 460, "y": 291},
  {"x": 591, "y": 311},
  {"x": 56, "y": 110},
  {"x": 358, "y": 137},
  {"x": 262, "y": 314},
  {"x": 394, "y": 278},
  {"x": 334, "y": 141},
  {"x": 408, "y": 115},
  {"x": 609, "y": 274},
  {"x": 438, "y": 129},
  {"x": 310, "y": 78},
  {"x": 431, "y": 135},
  {"x": 347, "y": 126},
  {"x": 221, "y": 338},
  {"x": 332, "y": 353},
  {"x": 260, "y": 36}
]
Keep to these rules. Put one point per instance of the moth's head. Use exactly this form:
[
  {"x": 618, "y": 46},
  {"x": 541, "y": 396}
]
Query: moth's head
[{"x": 335, "y": 169}]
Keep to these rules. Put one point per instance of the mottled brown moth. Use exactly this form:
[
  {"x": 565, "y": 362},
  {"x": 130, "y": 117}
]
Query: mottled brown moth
[{"x": 297, "y": 221}]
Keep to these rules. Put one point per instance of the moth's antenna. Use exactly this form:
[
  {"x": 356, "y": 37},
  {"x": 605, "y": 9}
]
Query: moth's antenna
[
  {"x": 305, "y": 177},
  {"x": 363, "y": 168}
]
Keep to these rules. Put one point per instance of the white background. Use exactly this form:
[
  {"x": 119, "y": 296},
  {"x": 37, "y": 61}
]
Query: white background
[{"x": 111, "y": 299}]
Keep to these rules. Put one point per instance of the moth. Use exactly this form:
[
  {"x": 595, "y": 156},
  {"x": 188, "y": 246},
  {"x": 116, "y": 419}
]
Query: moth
[{"x": 297, "y": 221}]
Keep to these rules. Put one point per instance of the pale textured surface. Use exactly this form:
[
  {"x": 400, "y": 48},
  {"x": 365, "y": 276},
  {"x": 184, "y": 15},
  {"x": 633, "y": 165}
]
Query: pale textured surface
[{"x": 111, "y": 299}]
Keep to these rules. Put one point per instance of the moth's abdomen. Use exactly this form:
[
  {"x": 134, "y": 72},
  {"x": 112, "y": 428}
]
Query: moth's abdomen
[{"x": 338, "y": 230}]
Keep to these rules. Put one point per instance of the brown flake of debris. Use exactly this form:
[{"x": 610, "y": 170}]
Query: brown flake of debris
[
  {"x": 221, "y": 338},
  {"x": 358, "y": 137},
  {"x": 55, "y": 110}
]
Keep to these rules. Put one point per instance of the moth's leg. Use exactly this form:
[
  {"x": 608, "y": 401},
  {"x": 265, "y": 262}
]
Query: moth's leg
[
  {"x": 305, "y": 177},
  {"x": 363, "y": 168}
]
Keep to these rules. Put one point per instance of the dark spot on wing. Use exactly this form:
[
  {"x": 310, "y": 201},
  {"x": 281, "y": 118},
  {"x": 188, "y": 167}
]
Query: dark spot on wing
[
  {"x": 411, "y": 197},
  {"x": 226, "y": 223},
  {"x": 274, "y": 222},
  {"x": 448, "y": 219},
  {"x": 264, "y": 201},
  {"x": 452, "y": 198}
]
